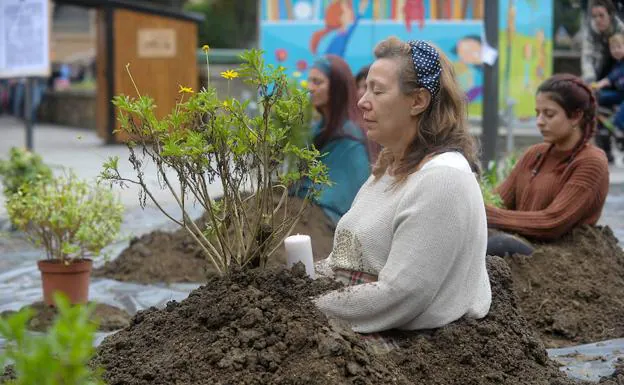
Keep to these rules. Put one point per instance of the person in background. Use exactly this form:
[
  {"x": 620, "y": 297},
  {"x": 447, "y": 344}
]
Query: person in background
[
  {"x": 601, "y": 23},
  {"x": 558, "y": 184},
  {"x": 338, "y": 135},
  {"x": 610, "y": 91},
  {"x": 412, "y": 247},
  {"x": 360, "y": 80}
]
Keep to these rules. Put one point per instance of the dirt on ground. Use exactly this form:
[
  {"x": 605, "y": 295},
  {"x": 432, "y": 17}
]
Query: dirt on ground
[
  {"x": 260, "y": 327},
  {"x": 174, "y": 257},
  {"x": 572, "y": 290},
  {"x": 255, "y": 327},
  {"x": 498, "y": 349},
  {"x": 109, "y": 318}
]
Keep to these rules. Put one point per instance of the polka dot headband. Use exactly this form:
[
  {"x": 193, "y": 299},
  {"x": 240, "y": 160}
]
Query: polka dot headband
[{"x": 427, "y": 65}]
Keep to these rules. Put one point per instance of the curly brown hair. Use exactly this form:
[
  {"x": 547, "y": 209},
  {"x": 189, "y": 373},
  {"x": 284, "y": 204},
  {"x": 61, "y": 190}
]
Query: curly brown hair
[{"x": 441, "y": 127}]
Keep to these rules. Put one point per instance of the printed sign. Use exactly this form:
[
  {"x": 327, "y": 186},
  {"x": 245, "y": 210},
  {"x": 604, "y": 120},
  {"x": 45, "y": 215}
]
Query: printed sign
[
  {"x": 156, "y": 43},
  {"x": 24, "y": 38}
]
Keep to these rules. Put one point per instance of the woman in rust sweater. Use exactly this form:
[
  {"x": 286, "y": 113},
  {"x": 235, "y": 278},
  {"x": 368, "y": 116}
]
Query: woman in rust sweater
[{"x": 559, "y": 184}]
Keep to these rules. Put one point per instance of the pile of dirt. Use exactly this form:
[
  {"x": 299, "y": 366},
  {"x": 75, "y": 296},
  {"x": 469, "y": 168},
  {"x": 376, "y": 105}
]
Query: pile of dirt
[
  {"x": 108, "y": 318},
  {"x": 572, "y": 290},
  {"x": 498, "y": 349},
  {"x": 174, "y": 257},
  {"x": 257, "y": 327},
  {"x": 261, "y": 328}
]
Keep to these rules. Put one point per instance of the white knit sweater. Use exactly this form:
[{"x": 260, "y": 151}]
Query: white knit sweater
[{"x": 425, "y": 239}]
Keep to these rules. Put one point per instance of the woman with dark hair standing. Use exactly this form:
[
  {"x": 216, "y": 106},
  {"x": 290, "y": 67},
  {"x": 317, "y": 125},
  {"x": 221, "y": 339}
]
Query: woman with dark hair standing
[
  {"x": 338, "y": 135},
  {"x": 559, "y": 184}
]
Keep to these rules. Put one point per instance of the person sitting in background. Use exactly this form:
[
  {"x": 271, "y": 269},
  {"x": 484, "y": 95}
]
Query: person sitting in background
[
  {"x": 338, "y": 135},
  {"x": 610, "y": 92},
  {"x": 559, "y": 184},
  {"x": 412, "y": 246},
  {"x": 360, "y": 80},
  {"x": 601, "y": 23}
]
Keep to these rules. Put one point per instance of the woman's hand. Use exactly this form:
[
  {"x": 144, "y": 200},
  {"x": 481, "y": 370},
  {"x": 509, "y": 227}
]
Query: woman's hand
[{"x": 600, "y": 84}]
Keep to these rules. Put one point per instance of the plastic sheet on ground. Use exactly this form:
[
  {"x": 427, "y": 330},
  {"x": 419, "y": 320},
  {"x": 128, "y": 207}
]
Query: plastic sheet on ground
[
  {"x": 591, "y": 361},
  {"x": 22, "y": 286},
  {"x": 20, "y": 279}
]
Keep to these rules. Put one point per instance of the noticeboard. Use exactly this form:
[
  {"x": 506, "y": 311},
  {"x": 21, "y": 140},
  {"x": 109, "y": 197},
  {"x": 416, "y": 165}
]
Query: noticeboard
[{"x": 24, "y": 38}]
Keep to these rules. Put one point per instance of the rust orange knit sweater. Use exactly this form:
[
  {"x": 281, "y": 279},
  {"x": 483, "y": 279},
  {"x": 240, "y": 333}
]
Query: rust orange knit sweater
[{"x": 548, "y": 200}]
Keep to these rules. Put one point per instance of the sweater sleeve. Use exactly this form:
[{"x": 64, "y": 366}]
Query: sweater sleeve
[
  {"x": 507, "y": 189},
  {"x": 616, "y": 77},
  {"x": 426, "y": 225},
  {"x": 583, "y": 194}
]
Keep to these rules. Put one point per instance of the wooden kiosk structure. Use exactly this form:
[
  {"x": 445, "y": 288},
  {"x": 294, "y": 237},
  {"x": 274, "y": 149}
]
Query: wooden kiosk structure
[{"x": 160, "y": 45}]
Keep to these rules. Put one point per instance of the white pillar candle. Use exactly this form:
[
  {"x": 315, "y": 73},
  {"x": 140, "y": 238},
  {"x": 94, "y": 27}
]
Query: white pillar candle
[{"x": 299, "y": 249}]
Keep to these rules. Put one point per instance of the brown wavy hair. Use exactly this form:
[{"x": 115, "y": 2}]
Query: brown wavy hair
[{"x": 442, "y": 127}]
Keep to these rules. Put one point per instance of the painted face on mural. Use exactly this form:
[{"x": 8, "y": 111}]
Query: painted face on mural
[
  {"x": 600, "y": 18},
  {"x": 555, "y": 126},
  {"x": 318, "y": 84},
  {"x": 469, "y": 51},
  {"x": 387, "y": 111}
]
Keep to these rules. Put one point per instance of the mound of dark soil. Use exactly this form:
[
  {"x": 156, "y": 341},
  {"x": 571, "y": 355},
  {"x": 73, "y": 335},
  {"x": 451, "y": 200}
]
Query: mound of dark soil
[
  {"x": 251, "y": 328},
  {"x": 109, "y": 318},
  {"x": 572, "y": 290},
  {"x": 173, "y": 257},
  {"x": 261, "y": 328},
  {"x": 498, "y": 349}
]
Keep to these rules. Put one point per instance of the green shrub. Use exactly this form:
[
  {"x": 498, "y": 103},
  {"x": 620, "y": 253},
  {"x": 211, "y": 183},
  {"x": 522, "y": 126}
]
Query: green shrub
[
  {"x": 22, "y": 167},
  {"x": 207, "y": 139},
  {"x": 60, "y": 357},
  {"x": 495, "y": 174},
  {"x": 69, "y": 217}
]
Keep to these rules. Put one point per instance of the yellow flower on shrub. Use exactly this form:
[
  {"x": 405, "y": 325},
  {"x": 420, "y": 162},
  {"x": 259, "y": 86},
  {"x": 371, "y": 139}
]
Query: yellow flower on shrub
[
  {"x": 304, "y": 83},
  {"x": 229, "y": 74},
  {"x": 206, "y": 48},
  {"x": 185, "y": 90}
]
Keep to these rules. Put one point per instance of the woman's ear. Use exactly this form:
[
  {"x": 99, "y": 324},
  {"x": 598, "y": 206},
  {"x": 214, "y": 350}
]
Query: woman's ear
[
  {"x": 421, "y": 100},
  {"x": 577, "y": 117}
]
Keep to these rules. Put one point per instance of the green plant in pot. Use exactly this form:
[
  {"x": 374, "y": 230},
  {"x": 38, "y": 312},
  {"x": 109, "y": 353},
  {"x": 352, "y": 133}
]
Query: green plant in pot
[
  {"x": 72, "y": 220},
  {"x": 208, "y": 139}
]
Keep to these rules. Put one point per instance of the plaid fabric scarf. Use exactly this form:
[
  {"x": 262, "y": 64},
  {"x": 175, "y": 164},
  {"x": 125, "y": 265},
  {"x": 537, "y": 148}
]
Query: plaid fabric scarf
[{"x": 376, "y": 341}]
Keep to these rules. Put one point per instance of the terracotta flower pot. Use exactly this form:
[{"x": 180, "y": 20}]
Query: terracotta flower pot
[{"x": 72, "y": 280}]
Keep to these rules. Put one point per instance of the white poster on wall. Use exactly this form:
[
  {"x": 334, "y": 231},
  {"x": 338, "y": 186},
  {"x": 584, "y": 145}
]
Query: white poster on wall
[{"x": 24, "y": 38}]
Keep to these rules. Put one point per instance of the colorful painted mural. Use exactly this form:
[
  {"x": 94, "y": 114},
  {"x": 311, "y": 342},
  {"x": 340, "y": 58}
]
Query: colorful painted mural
[{"x": 295, "y": 32}]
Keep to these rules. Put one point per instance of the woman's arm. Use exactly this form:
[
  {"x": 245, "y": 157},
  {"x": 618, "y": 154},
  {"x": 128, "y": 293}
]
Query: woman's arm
[
  {"x": 583, "y": 194},
  {"x": 428, "y": 224}
]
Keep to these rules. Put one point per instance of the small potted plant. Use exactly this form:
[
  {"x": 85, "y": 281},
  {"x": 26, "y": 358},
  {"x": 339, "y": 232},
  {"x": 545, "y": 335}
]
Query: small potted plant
[{"x": 72, "y": 220}]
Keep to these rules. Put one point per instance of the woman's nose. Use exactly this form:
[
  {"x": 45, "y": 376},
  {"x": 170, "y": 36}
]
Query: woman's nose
[{"x": 363, "y": 104}]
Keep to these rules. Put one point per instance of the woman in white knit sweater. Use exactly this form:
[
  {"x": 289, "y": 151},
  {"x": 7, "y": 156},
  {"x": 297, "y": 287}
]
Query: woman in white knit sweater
[{"x": 412, "y": 246}]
